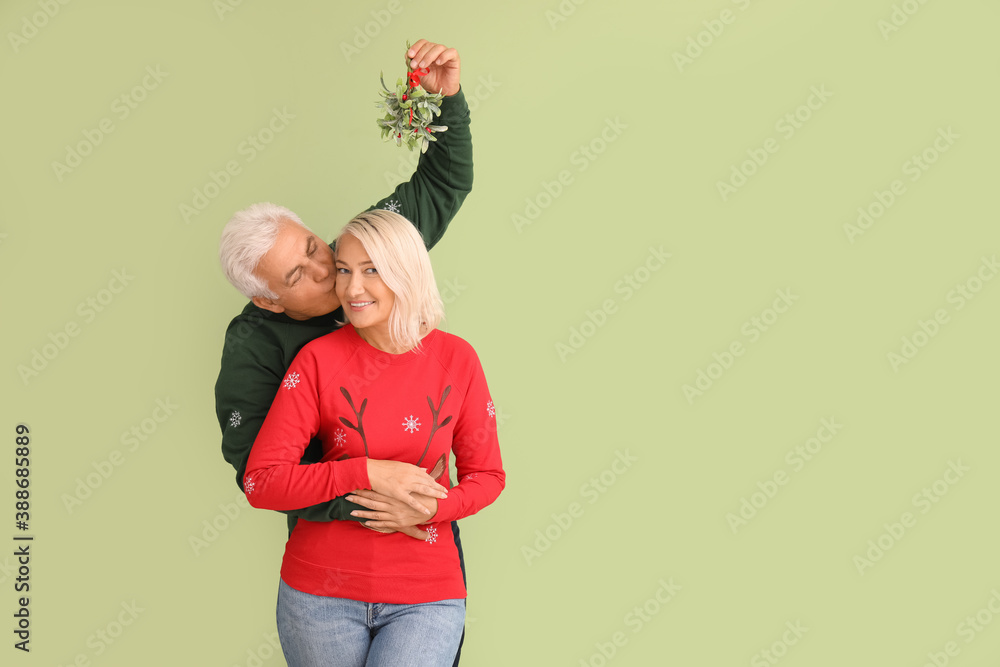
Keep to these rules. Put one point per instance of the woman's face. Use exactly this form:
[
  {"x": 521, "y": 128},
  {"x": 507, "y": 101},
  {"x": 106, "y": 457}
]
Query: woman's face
[{"x": 365, "y": 298}]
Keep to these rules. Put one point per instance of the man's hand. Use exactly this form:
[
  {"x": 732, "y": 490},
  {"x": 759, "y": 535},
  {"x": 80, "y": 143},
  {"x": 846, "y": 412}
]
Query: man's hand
[
  {"x": 390, "y": 513},
  {"x": 443, "y": 63},
  {"x": 400, "y": 480}
]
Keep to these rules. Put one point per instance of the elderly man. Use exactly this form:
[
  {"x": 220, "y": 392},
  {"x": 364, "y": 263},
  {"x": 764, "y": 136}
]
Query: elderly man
[{"x": 287, "y": 273}]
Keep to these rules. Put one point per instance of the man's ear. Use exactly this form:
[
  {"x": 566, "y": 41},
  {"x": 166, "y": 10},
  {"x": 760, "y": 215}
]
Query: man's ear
[{"x": 268, "y": 304}]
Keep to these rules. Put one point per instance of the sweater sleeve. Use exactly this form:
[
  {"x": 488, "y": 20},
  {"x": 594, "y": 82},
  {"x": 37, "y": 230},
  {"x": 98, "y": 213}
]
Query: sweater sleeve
[
  {"x": 443, "y": 179},
  {"x": 274, "y": 477},
  {"x": 481, "y": 477},
  {"x": 244, "y": 389}
]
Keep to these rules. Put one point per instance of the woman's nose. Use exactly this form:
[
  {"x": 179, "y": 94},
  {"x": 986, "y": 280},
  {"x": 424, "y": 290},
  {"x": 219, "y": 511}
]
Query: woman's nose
[{"x": 354, "y": 286}]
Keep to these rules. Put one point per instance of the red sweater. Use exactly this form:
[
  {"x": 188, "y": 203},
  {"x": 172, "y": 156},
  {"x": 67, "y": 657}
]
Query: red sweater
[{"x": 414, "y": 407}]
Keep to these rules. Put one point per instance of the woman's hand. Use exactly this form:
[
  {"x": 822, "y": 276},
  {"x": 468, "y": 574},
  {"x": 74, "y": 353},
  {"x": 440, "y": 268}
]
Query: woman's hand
[
  {"x": 399, "y": 480},
  {"x": 390, "y": 513}
]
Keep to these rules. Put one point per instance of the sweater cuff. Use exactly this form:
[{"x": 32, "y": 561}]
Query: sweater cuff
[
  {"x": 454, "y": 109},
  {"x": 352, "y": 475},
  {"x": 447, "y": 508}
]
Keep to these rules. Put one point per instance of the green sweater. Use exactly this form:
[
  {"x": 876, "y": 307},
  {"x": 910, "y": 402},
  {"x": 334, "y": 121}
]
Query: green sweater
[{"x": 260, "y": 345}]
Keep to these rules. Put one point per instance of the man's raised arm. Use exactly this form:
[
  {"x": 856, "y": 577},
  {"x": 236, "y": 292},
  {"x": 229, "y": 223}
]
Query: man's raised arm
[{"x": 443, "y": 179}]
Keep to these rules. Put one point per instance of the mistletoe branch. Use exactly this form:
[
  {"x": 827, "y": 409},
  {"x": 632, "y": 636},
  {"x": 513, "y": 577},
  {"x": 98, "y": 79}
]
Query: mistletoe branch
[{"x": 409, "y": 110}]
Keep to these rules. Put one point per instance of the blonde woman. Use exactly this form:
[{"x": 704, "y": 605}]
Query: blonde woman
[{"x": 391, "y": 397}]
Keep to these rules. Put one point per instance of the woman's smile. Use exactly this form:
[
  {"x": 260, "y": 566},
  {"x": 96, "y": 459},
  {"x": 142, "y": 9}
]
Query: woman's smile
[{"x": 367, "y": 300}]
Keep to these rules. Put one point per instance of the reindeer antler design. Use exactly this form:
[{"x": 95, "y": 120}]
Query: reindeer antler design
[
  {"x": 357, "y": 413},
  {"x": 435, "y": 425},
  {"x": 438, "y": 468}
]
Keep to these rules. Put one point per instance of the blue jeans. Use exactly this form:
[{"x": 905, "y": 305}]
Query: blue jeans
[{"x": 319, "y": 631}]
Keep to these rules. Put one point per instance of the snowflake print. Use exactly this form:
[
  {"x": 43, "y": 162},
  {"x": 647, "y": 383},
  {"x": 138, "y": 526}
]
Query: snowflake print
[
  {"x": 432, "y": 534},
  {"x": 235, "y": 419},
  {"x": 490, "y": 410},
  {"x": 393, "y": 206},
  {"x": 249, "y": 486},
  {"x": 411, "y": 424},
  {"x": 340, "y": 437},
  {"x": 291, "y": 380},
  {"x": 470, "y": 476}
]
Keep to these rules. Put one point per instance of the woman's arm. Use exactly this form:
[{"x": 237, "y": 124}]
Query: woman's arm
[
  {"x": 481, "y": 477},
  {"x": 276, "y": 480},
  {"x": 251, "y": 373}
]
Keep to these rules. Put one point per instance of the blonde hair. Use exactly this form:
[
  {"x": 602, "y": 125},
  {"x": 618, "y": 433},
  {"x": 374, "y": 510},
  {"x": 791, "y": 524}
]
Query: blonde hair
[{"x": 398, "y": 253}]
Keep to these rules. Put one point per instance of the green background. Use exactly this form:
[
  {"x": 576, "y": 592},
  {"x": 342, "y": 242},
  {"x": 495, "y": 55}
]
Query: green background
[{"x": 544, "y": 81}]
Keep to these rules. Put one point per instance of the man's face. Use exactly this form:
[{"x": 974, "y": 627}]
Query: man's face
[{"x": 299, "y": 269}]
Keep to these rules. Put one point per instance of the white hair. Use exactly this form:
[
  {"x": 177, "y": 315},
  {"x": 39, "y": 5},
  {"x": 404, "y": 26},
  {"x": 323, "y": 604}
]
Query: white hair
[
  {"x": 246, "y": 238},
  {"x": 401, "y": 258}
]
